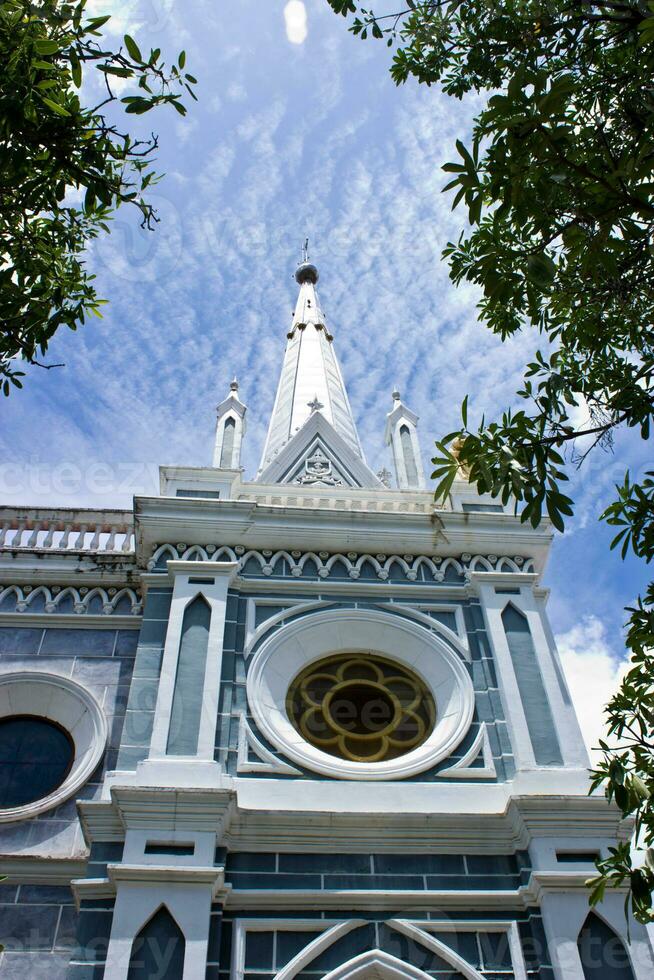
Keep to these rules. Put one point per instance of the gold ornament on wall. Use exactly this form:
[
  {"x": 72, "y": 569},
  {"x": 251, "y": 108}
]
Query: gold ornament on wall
[{"x": 361, "y": 707}]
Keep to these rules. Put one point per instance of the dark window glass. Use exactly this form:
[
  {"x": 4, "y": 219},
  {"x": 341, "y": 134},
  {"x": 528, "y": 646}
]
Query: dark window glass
[
  {"x": 35, "y": 757},
  {"x": 158, "y": 950},
  {"x": 602, "y": 952}
]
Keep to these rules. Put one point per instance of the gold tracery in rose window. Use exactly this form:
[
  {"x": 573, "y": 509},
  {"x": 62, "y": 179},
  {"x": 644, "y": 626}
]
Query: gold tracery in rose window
[{"x": 361, "y": 707}]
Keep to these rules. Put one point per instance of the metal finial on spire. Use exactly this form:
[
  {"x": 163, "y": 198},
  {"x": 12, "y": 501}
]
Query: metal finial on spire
[
  {"x": 306, "y": 271},
  {"x": 233, "y": 385},
  {"x": 396, "y": 394}
]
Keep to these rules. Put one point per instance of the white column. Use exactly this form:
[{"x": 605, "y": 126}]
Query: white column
[
  {"x": 492, "y": 605},
  {"x": 571, "y": 740}
]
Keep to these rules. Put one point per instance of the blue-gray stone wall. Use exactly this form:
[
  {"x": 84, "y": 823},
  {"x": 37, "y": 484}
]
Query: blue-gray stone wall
[
  {"x": 38, "y": 926},
  {"x": 37, "y": 922},
  {"x": 139, "y": 717}
]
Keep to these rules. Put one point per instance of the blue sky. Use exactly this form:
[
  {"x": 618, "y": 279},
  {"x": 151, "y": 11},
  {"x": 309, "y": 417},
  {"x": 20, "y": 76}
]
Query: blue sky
[{"x": 299, "y": 131}]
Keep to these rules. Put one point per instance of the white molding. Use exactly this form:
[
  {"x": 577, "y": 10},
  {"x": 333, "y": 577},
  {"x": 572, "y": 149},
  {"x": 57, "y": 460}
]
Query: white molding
[
  {"x": 68, "y": 704},
  {"x": 317, "y": 946},
  {"x": 86, "y": 621},
  {"x": 82, "y": 596},
  {"x": 36, "y": 870},
  {"x": 509, "y": 927},
  {"x": 368, "y": 900},
  {"x": 463, "y": 768},
  {"x": 415, "y": 612},
  {"x": 293, "y": 607},
  {"x": 280, "y": 658},
  {"x": 377, "y": 964},
  {"x": 436, "y": 946},
  {"x": 266, "y": 761},
  {"x": 476, "y": 567}
]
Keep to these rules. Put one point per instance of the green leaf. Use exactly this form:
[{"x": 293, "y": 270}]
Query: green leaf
[
  {"x": 541, "y": 270},
  {"x": 59, "y": 109},
  {"x": 46, "y": 46},
  {"x": 76, "y": 70},
  {"x": 133, "y": 48}
]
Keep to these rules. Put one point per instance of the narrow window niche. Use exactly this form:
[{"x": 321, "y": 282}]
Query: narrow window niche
[
  {"x": 184, "y": 727},
  {"x": 535, "y": 703}
]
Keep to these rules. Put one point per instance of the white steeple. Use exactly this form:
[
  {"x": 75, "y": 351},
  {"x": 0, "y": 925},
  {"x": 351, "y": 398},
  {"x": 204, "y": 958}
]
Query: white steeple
[
  {"x": 230, "y": 429},
  {"x": 402, "y": 436},
  {"x": 311, "y": 380}
]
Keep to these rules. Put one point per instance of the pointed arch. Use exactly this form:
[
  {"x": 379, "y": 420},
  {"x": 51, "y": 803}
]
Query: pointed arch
[
  {"x": 602, "y": 953},
  {"x": 410, "y": 465},
  {"x": 376, "y": 964},
  {"x": 37, "y": 599},
  {"x": 158, "y": 949},
  {"x": 227, "y": 448},
  {"x": 195, "y": 553},
  {"x": 9, "y": 598},
  {"x": 161, "y": 556}
]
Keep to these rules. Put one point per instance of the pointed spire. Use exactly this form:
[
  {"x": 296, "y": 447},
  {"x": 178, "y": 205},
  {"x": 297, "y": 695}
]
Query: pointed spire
[
  {"x": 230, "y": 429},
  {"x": 402, "y": 436},
  {"x": 311, "y": 380}
]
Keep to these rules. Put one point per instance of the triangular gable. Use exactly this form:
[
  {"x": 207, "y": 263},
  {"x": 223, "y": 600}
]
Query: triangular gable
[{"x": 318, "y": 456}]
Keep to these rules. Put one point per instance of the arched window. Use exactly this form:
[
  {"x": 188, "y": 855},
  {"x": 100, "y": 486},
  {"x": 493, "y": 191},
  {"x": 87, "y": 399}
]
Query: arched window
[
  {"x": 158, "y": 950},
  {"x": 227, "y": 451},
  {"x": 602, "y": 952},
  {"x": 409, "y": 457},
  {"x": 189, "y": 680}
]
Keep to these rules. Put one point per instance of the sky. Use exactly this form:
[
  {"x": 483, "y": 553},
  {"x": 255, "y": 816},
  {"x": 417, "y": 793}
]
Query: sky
[{"x": 299, "y": 132}]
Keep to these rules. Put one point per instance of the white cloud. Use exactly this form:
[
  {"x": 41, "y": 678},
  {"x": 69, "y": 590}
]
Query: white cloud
[
  {"x": 295, "y": 18},
  {"x": 593, "y": 672}
]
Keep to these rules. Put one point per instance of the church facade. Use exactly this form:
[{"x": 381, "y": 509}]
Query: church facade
[{"x": 298, "y": 727}]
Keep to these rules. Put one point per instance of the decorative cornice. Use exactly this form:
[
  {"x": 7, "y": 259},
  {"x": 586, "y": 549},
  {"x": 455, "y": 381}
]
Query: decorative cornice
[
  {"x": 57, "y": 599},
  {"x": 489, "y": 830},
  {"x": 37, "y": 870},
  {"x": 407, "y": 567}
]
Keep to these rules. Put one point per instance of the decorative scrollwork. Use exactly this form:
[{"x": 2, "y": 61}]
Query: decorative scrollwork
[{"x": 361, "y": 707}]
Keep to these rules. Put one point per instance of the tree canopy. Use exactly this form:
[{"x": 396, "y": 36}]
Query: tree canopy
[
  {"x": 558, "y": 183},
  {"x": 67, "y": 162}
]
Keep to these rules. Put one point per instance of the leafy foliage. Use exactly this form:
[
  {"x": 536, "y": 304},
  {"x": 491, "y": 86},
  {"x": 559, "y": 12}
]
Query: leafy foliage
[
  {"x": 558, "y": 184},
  {"x": 54, "y": 149}
]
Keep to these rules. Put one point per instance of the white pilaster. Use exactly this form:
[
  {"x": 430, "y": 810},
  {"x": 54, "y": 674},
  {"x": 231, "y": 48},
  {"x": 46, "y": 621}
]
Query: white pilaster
[
  {"x": 187, "y": 893},
  {"x": 564, "y": 914},
  {"x": 493, "y": 605},
  {"x": 215, "y": 580}
]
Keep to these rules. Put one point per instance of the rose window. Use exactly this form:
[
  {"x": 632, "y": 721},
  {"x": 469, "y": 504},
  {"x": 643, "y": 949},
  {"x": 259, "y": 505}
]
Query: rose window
[{"x": 361, "y": 707}]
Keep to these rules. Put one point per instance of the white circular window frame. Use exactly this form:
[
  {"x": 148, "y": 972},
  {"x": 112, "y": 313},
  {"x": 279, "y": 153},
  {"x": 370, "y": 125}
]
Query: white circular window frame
[
  {"x": 68, "y": 705},
  {"x": 288, "y": 651}
]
